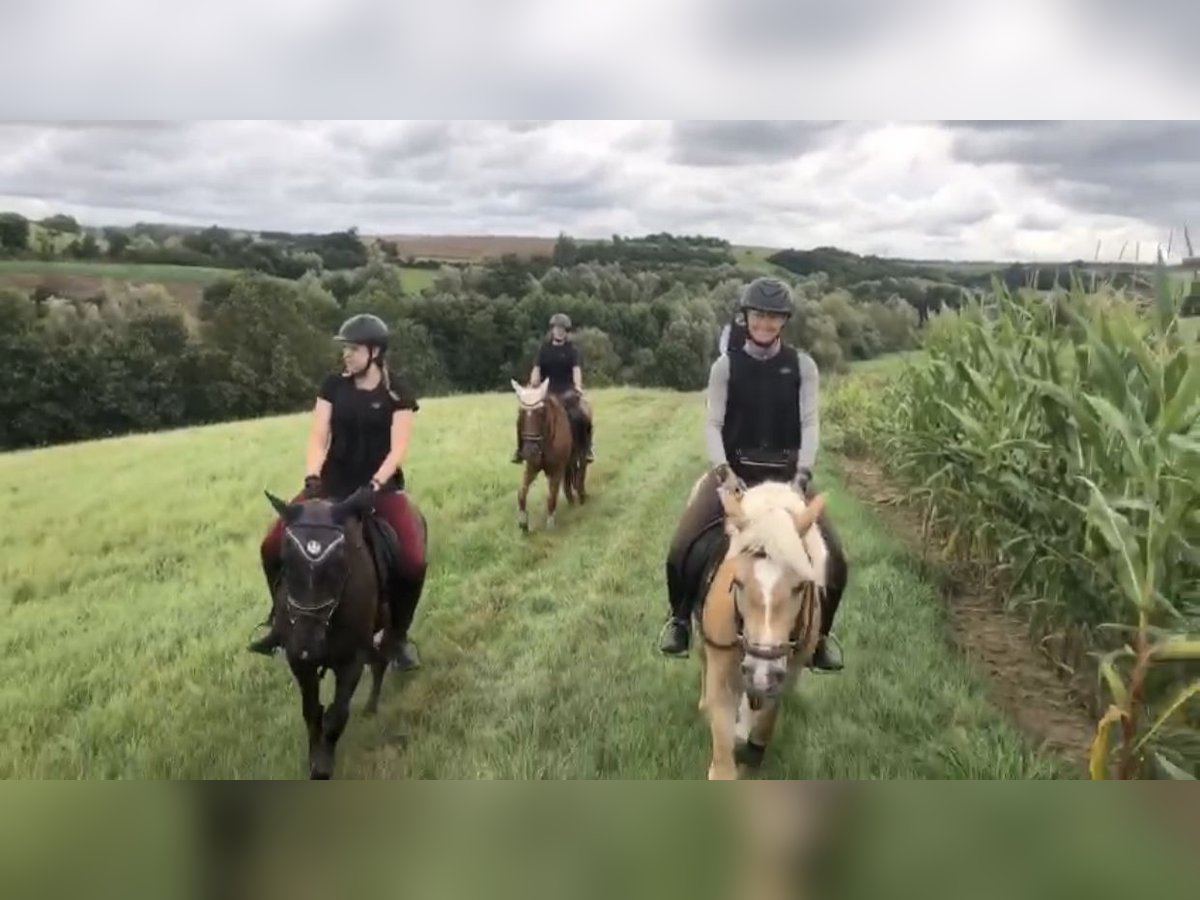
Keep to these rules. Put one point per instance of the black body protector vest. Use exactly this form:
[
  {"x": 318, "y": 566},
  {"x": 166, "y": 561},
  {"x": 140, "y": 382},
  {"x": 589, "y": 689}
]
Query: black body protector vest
[{"x": 762, "y": 415}]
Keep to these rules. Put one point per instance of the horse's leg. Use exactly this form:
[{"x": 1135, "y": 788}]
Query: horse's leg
[
  {"x": 762, "y": 726},
  {"x": 310, "y": 703},
  {"x": 720, "y": 702},
  {"x": 378, "y": 654},
  {"x": 522, "y": 496},
  {"x": 569, "y": 482},
  {"x": 379, "y": 661},
  {"x": 581, "y": 486},
  {"x": 552, "y": 496},
  {"x": 336, "y": 716}
]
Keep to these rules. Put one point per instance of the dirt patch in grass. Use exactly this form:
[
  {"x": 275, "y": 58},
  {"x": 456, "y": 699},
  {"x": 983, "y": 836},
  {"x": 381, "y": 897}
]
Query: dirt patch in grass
[{"x": 1023, "y": 681}]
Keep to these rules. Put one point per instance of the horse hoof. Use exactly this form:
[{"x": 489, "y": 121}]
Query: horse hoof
[
  {"x": 550, "y": 523},
  {"x": 749, "y": 755},
  {"x": 319, "y": 775}
]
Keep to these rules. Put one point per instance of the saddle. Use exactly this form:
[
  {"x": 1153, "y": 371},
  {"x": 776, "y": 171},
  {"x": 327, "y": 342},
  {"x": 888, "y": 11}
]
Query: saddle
[
  {"x": 701, "y": 563},
  {"x": 385, "y": 549}
]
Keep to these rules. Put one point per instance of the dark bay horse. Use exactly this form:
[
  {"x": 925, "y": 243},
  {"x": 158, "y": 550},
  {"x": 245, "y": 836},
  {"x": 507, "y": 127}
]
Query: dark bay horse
[
  {"x": 554, "y": 443},
  {"x": 331, "y": 607}
]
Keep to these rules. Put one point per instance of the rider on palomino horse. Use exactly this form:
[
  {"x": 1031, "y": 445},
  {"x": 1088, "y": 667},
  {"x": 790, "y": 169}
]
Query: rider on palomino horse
[
  {"x": 359, "y": 438},
  {"x": 559, "y": 361},
  {"x": 762, "y": 426}
]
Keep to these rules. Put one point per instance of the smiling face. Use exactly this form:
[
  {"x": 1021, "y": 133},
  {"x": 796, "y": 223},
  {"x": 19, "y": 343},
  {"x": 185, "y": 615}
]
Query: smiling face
[{"x": 765, "y": 327}]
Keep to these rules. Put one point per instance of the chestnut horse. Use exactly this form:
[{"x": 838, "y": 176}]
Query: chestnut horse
[
  {"x": 551, "y": 443},
  {"x": 760, "y": 618}
]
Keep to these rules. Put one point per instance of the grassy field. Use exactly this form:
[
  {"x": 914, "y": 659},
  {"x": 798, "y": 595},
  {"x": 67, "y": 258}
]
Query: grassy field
[
  {"x": 117, "y": 271},
  {"x": 130, "y": 586},
  {"x": 416, "y": 280}
]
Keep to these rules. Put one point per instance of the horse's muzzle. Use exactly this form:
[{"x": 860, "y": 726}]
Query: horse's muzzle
[{"x": 763, "y": 679}]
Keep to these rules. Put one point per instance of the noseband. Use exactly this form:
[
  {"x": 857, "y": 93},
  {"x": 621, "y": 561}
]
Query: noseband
[
  {"x": 527, "y": 436},
  {"x": 765, "y": 651}
]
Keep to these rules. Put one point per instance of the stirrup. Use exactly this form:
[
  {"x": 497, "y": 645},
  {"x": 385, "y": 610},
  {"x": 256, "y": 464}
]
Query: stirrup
[{"x": 816, "y": 670}]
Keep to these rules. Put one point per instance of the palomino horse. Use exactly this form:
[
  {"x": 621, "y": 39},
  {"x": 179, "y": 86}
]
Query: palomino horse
[
  {"x": 552, "y": 445},
  {"x": 760, "y": 618},
  {"x": 331, "y": 607}
]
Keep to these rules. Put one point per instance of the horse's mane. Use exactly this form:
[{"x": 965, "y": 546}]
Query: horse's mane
[{"x": 767, "y": 524}]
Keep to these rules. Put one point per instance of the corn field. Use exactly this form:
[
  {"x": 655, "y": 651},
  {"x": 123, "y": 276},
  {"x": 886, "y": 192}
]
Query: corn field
[{"x": 1056, "y": 439}]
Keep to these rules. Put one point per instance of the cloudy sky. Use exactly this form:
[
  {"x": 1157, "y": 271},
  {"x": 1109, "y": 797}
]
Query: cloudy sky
[{"x": 945, "y": 190}]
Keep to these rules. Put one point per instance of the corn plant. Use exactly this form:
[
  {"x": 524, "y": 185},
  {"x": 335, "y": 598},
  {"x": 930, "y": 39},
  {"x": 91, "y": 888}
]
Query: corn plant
[{"x": 1057, "y": 439}]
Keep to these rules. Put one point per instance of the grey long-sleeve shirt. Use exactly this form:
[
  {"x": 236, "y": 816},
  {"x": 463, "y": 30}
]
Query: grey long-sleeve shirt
[{"x": 718, "y": 391}]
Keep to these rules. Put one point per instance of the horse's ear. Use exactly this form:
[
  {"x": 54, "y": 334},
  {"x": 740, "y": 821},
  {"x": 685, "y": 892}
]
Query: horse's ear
[
  {"x": 545, "y": 386},
  {"x": 809, "y": 515},
  {"x": 286, "y": 512},
  {"x": 516, "y": 386}
]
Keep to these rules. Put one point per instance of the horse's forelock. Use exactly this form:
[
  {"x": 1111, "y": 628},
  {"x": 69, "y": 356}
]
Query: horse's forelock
[{"x": 768, "y": 525}]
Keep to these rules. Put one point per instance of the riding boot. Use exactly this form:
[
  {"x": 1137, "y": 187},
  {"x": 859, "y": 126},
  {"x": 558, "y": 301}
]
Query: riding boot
[
  {"x": 271, "y": 641},
  {"x": 828, "y": 655},
  {"x": 676, "y": 635},
  {"x": 403, "y": 603}
]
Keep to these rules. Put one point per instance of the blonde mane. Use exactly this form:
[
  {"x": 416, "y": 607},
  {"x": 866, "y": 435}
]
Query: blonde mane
[{"x": 764, "y": 519}]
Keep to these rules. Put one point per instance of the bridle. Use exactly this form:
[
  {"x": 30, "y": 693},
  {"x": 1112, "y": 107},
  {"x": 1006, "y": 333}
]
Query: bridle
[
  {"x": 527, "y": 436},
  {"x": 314, "y": 553},
  {"x": 785, "y": 649}
]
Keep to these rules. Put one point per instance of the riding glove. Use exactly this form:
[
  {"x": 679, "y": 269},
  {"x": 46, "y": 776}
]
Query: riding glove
[{"x": 312, "y": 487}]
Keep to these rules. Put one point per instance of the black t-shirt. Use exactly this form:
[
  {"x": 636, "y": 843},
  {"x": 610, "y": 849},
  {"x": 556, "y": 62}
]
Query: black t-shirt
[
  {"x": 360, "y": 432},
  {"x": 555, "y": 361}
]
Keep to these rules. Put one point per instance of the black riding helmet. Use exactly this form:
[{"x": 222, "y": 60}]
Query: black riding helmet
[
  {"x": 365, "y": 329},
  {"x": 768, "y": 295}
]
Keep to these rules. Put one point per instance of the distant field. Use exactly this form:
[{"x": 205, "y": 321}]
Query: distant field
[
  {"x": 416, "y": 280},
  {"x": 756, "y": 258},
  {"x": 462, "y": 247},
  {"x": 117, "y": 271}
]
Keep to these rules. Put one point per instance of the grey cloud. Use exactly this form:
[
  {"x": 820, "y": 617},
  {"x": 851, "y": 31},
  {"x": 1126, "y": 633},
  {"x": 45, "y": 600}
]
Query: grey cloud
[
  {"x": 1146, "y": 170},
  {"x": 733, "y": 143},
  {"x": 310, "y": 175},
  {"x": 592, "y": 179}
]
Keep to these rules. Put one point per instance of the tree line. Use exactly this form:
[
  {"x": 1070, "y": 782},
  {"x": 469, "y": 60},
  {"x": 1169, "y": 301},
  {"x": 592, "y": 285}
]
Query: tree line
[{"x": 135, "y": 359}]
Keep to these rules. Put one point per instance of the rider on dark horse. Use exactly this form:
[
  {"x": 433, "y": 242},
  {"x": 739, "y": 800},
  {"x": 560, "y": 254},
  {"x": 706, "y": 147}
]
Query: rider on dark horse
[
  {"x": 762, "y": 426},
  {"x": 359, "y": 438},
  {"x": 559, "y": 362}
]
